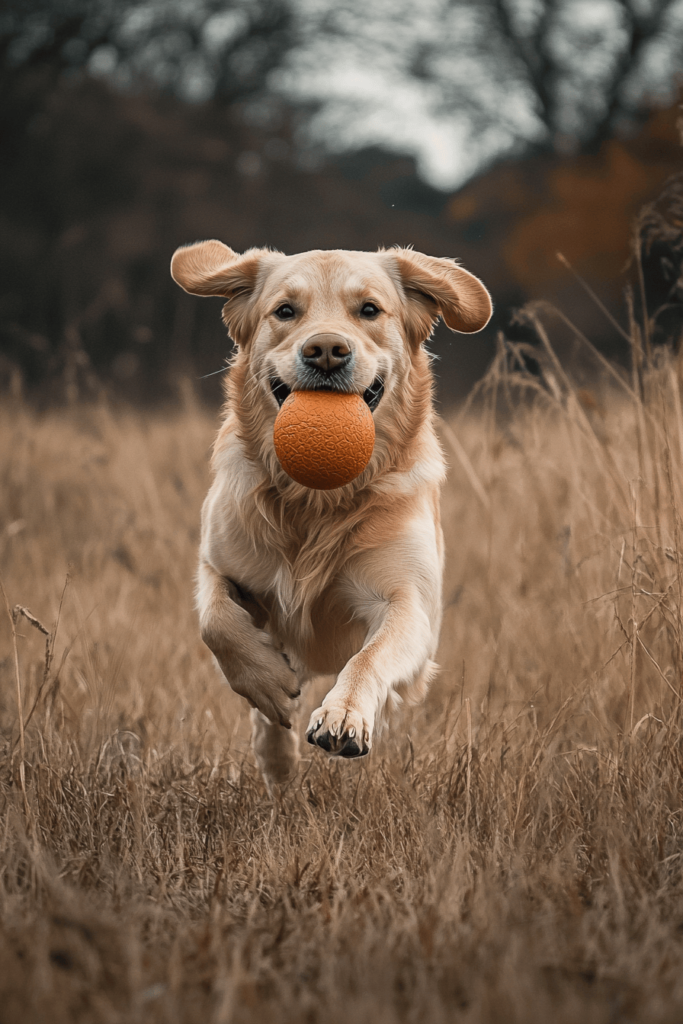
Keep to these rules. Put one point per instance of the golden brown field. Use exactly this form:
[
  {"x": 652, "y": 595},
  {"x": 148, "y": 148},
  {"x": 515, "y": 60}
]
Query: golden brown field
[{"x": 511, "y": 851}]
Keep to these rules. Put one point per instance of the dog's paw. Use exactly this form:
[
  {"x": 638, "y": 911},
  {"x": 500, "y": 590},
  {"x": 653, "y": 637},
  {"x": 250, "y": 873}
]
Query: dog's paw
[
  {"x": 339, "y": 731},
  {"x": 273, "y": 688}
]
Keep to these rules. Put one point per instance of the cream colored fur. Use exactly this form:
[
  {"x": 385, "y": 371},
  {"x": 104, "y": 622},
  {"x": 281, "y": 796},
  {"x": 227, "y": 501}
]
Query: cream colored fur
[{"x": 294, "y": 582}]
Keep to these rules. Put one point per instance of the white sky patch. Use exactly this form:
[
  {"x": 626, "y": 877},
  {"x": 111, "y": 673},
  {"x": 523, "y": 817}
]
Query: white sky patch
[
  {"x": 222, "y": 28},
  {"x": 378, "y": 107}
]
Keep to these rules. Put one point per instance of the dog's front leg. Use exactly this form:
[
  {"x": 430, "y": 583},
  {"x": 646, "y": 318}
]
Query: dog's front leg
[
  {"x": 397, "y": 652},
  {"x": 245, "y": 653}
]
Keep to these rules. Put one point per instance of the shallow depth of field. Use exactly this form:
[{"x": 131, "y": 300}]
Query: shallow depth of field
[{"x": 511, "y": 851}]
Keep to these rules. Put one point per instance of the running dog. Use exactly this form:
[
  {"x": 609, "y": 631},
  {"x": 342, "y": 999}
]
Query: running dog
[{"x": 295, "y": 583}]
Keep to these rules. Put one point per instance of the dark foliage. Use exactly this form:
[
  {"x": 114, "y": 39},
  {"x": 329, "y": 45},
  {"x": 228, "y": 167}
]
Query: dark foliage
[{"x": 660, "y": 242}]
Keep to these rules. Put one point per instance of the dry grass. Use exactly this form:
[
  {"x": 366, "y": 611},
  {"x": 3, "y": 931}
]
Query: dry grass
[{"x": 511, "y": 851}]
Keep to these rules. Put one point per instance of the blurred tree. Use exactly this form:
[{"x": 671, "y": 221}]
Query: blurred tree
[
  {"x": 222, "y": 48},
  {"x": 59, "y": 181},
  {"x": 492, "y": 76},
  {"x": 469, "y": 80}
]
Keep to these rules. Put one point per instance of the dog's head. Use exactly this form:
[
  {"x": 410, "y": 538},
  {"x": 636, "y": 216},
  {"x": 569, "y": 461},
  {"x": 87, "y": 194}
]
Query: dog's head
[{"x": 333, "y": 320}]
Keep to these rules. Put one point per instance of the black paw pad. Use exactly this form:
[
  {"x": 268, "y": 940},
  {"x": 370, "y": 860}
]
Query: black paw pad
[
  {"x": 323, "y": 740},
  {"x": 351, "y": 749}
]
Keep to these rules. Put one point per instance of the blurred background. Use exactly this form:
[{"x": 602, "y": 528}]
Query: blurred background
[{"x": 500, "y": 132}]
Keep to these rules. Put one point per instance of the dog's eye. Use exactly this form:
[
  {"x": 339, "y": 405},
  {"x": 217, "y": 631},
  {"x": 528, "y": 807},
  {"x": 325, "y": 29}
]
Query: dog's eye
[
  {"x": 369, "y": 310},
  {"x": 285, "y": 312}
]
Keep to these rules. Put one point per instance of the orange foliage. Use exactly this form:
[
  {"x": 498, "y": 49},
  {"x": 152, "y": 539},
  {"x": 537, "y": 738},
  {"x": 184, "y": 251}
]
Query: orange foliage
[
  {"x": 588, "y": 219},
  {"x": 582, "y": 206}
]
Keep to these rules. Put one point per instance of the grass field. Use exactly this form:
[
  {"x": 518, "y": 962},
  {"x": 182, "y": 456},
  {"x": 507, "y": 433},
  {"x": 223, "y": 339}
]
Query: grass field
[{"x": 511, "y": 851}]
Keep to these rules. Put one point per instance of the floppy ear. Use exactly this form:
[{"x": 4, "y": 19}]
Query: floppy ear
[
  {"x": 436, "y": 286},
  {"x": 201, "y": 268},
  {"x": 212, "y": 268}
]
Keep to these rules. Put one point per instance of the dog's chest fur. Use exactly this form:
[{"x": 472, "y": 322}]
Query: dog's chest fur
[
  {"x": 305, "y": 602},
  {"x": 294, "y": 562}
]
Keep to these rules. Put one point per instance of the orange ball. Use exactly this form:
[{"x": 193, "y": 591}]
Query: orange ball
[{"x": 324, "y": 439}]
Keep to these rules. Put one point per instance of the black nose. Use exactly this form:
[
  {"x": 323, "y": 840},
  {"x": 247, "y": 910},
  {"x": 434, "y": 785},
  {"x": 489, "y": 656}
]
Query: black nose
[{"x": 326, "y": 352}]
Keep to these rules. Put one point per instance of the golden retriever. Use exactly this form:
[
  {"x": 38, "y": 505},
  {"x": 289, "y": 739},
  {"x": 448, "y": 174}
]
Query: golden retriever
[{"x": 293, "y": 582}]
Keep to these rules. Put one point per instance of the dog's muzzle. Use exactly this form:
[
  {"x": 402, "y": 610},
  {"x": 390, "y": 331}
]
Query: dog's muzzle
[{"x": 325, "y": 362}]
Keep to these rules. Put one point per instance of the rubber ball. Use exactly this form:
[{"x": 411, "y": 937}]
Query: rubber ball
[{"x": 324, "y": 439}]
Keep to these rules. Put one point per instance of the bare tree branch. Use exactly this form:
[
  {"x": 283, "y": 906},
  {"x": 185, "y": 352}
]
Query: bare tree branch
[
  {"x": 642, "y": 30},
  {"x": 533, "y": 55}
]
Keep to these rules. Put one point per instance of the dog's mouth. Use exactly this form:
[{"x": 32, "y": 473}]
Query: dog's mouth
[
  {"x": 280, "y": 390},
  {"x": 372, "y": 396}
]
